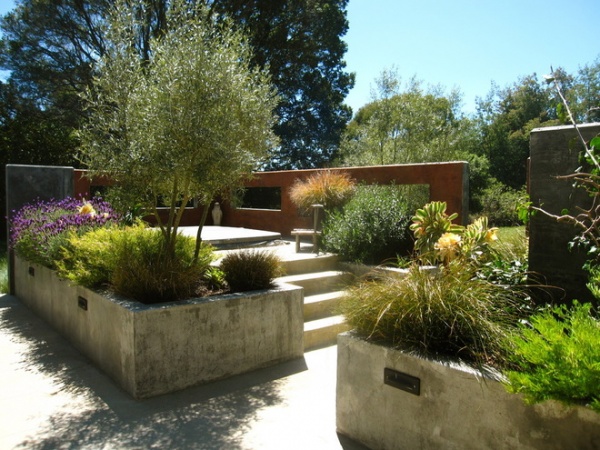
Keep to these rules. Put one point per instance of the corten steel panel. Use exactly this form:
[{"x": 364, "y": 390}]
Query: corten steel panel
[{"x": 447, "y": 182}]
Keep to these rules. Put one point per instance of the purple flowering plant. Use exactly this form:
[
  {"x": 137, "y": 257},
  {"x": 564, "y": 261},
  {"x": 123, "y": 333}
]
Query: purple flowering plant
[{"x": 40, "y": 229}]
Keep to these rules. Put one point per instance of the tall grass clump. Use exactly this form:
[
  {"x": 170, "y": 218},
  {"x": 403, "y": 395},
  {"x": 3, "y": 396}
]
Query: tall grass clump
[
  {"x": 450, "y": 314},
  {"x": 374, "y": 225},
  {"x": 133, "y": 262},
  {"x": 326, "y": 187},
  {"x": 249, "y": 270},
  {"x": 147, "y": 271}
]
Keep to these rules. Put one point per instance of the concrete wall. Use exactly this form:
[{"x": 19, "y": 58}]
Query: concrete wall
[
  {"x": 555, "y": 151},
  {"x": 456, "y": 408},
  {"x": 155, "y": 349},
  {"x": 25, "y": 184}
]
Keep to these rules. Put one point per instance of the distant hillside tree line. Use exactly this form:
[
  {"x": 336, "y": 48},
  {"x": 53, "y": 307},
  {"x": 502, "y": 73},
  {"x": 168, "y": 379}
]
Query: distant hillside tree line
[{"x": 411, "y": 123}]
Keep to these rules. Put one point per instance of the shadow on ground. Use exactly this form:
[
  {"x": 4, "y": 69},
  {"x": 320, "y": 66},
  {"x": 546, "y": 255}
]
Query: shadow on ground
[{"x": 213, "y": 416}]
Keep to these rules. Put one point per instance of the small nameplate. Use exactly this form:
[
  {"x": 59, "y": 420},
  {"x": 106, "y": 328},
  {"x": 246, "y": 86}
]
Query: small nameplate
[{"x": 402, "y": 381}]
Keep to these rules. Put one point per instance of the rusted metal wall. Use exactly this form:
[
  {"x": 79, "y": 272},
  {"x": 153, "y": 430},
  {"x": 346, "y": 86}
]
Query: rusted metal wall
[{"x": 447, "y": 182}]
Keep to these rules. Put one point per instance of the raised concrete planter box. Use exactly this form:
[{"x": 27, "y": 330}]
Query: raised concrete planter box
[
  {"x": 456, "y": 408},
  {"x": 155, "y": 349}
]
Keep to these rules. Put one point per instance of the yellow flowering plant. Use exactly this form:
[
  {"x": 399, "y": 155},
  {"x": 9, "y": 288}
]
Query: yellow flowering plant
[
  {"x": 88, "y": 209},
  {"x": 429, "y": 224},
  {"x": 438, "y": 240}
]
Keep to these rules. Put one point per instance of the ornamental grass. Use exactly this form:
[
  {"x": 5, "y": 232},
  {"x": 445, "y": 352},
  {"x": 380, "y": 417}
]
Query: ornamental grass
[
  {"x": 449, "y": 314},
  {"x": 327, "y": 188},
  {"x": 249, "y": 270}
]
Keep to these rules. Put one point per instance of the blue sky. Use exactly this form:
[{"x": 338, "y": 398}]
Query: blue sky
[
  {"x": 467, "y": 43},
  {"x": 464, "y": 43}
]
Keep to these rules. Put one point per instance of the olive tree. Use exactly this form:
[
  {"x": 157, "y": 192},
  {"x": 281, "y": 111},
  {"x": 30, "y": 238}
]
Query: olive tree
[{"x": 190, "y": 120}]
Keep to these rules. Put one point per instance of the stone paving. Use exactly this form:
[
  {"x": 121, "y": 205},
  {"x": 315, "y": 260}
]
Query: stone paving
[{"x": 52, "y": 397}]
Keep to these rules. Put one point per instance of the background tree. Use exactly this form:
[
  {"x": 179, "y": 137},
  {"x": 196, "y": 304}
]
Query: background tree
[
  {"x": 410, "y": 126},
  {"x": 300, "y": 42},
  {"x": 50, "y": 47},
  {"x": 191, "y": 121},
  {"x": 506, "y": 117},
  {"x": 582, "y": 93}
]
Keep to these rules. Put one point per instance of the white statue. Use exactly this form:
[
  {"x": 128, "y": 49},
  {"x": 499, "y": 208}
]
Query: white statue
[{"x": 217, "y": 214}]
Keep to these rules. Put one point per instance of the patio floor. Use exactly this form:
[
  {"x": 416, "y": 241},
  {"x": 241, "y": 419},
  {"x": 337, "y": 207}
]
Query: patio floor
[{"x": 53, "y": 397}]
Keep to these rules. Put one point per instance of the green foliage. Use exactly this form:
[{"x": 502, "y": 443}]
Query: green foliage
[
  {"x": 249, "y": 270},
  {"x": 373, "y": 226},
  {"x": 557, "y": 357},
  {"x": 500, "y": 204},
  {"x": 50, "y": 48},
  {"x": 593, "y": 283},
  {"x": 327, "y": 188},
  {"x": 506, "y": 117},
  {"x": 407, "y": 127},
  {"x": 149, "y": 273},
  {"x": 39, "y": 230},
  {"x": 429, "y": 224},
  {"x": 4, "y": 285},
  {"x": 509, "y": 261},
  {"x": 451, "y": 313},
  {"x": 134, "y": 263},
  {"x": 438, "y": 240},
  {"x": 191, "y": 121},
  {"x": 89, "y": 259},
  {"x": 301, "y": 43},
  {"x": 214, "y": 278}
]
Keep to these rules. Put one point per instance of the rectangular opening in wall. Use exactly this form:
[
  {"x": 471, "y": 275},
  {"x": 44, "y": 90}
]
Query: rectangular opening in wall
[{"x": 262, "y": 198}]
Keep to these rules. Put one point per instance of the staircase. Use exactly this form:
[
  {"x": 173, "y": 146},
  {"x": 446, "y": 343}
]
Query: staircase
[{"x": 323, "y": 286}]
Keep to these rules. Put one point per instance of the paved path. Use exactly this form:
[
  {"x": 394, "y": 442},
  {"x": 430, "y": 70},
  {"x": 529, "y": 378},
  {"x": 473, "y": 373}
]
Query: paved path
[{"x": 51, "y": 397}]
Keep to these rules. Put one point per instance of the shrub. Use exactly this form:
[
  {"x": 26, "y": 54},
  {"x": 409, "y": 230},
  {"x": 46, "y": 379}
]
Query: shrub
[
  {"x": 429, "y": 224},
  {"x": 214, "y": 278},
  {"x": 90, "y": 259},
  {"x": 249, "y": 270},
  {"x": 147, "y": 272},
  {"x": 509, "y": 263},
  {"x": 500, "y": 203},
  {"x": 373, "y": 226},
  {"x": 438, "y": 240},
  {"x": 134, "y": 263},
  {"x": 557, "y": 357},
  {"x": 327, "y": 188},
  {"x": 448, "y": 314},
  {"x": 39, "y": 230}
]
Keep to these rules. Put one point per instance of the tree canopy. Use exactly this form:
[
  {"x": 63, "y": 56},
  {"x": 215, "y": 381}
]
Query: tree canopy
[
  {"x": 50, "y": 48},
  {"x": 412, "y": 125},
  {"x": 146, "y": 129}
]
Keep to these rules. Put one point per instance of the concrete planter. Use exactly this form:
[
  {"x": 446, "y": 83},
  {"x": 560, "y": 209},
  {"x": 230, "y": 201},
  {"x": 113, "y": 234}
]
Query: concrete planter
[
  {"x": 155, "y": 349},
  {"x": 444, "y": 406}
]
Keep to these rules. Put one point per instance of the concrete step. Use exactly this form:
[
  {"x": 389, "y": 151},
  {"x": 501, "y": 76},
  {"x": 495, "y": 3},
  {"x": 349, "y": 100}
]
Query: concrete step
[
  {"x": 323, "y": 305},
  {"x": 308, "y": 263},
  {"x": 323, "y": 332},
  {"x": 318, "y": 282}
]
